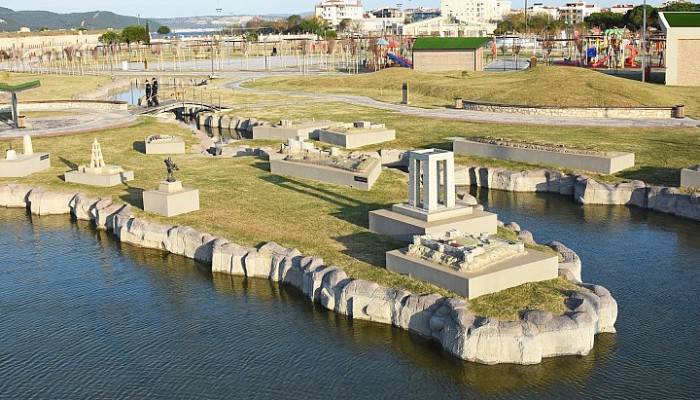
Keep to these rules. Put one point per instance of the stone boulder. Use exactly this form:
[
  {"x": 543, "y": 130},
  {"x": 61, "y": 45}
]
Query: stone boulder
[
  {"x": 82, "y": 207},
  {"x": 14, "y": 195},
  {"x": 589, "y": 191},
  {"x": 227, "y": 258},
  {"x": 191, "y": 243},
  {"x": 569, "y": 262},
  {"x": 526, "y": 237},
  {"x": 142, "y": 233},
  {"x": 50, "y": 203},
  {"x": 415, "y": 311},
  {"x": 673, "y": 201}
]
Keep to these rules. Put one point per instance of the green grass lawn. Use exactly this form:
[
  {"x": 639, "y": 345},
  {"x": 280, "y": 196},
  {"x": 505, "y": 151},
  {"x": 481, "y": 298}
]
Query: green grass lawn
[
  {"x": 53, "y": 87},
  {"x": 244, "y": 203},
  {"x": 540, "y": 86},
  {"x": 660, "y": 152}
]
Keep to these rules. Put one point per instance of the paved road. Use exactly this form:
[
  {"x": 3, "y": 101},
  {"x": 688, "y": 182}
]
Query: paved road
[{"x": 465, "y": 115}]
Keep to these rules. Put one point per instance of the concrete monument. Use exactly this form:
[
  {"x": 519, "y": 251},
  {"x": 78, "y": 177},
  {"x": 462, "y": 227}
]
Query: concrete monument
[
  {"x": 98, "y": 173},
  {"x": 432, "y": 207},
  {"x": 357, "y": 134},
  {"x": 165, "y": 144},
  {"x": 472, "y": 265},
  {"x": 171, "y": 198},
  {"x": 301, "y": 159},
  {"x": 19, "y": 165},
  {"x": 287, "y": 129}
]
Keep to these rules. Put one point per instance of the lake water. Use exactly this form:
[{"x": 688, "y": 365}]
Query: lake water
[{"x": 86, "y": 317}]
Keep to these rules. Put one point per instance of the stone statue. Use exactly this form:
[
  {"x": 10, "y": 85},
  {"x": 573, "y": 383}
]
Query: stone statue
[
  {"x": 27, "y": 143},
  {"x": 171, "y": 166}
]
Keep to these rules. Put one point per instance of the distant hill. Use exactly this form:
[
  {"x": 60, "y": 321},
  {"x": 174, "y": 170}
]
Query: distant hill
[
  {"x": 11, "y": 20},
  {"x": 212, "y": 21}
]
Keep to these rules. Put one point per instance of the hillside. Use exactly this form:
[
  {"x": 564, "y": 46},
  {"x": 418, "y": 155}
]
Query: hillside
[{"x": 11, "y": 20}]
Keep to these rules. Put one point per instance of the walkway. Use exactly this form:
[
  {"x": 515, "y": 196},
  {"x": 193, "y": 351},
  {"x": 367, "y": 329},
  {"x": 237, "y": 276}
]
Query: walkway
[
  {"x": 71, "y": 124},
  {"x": 467, "y": 115}
]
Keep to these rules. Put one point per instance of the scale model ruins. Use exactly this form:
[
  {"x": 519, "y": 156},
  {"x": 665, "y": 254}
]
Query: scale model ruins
[
  {"x": 288, "y": 129},
  {"x": 165, "y": 144},
  {"x": 98, "y": 173},
  {"x": 431, "y": 207},
  {"x": 301, "y": 159},
  {"x": 20, "y": 165},
  {"x": 356, "y": 134},
  {"x": 472, "y": 265}
]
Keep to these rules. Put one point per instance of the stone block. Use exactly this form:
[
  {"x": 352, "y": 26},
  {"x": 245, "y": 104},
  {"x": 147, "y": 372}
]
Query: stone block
[
  {"x": 24, "y": 165},
  {"x": 171, "y": 199},
  {"x": 102, "y": 180},
  {"x": 165, "y": 145},
  {"x": 690, "y": 177},
  {"x": 403, "y": 227},
  {"x": 363, "y": 179}
]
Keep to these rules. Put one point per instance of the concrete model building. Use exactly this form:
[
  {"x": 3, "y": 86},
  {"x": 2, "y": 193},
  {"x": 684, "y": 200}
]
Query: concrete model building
[
  {"x": 432, "y": 206},
  {"x": 471, "y": 265},
  {"x": 357, "y": 134},
  {"x": 19, "y": 165},
  {"x": 98, "y": 173}
]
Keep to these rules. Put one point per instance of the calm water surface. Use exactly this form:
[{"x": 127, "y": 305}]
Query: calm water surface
[{"x": 85, "y": 317}]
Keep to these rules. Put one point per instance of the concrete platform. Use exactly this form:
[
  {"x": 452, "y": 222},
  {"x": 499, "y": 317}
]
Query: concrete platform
[
  {"x": 604, "y": 163},
  {"x": 690, "y": 177},
  {"x": 159, "y": 146},
  {"x": 171, "y": 199},
  {"x": 534, "y": 266},
  {"x": 363, "y": 180},
  {"x": 402, "y": 227},
  {"x": 102, "y": 180},
  {"x": 353, "y": 138},
  {"x": 304, "y": 129},
  {"x": 24, "y": 165}
]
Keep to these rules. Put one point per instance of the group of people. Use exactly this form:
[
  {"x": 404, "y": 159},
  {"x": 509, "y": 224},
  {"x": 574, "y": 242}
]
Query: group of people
[{"x": 152, "y": 92}]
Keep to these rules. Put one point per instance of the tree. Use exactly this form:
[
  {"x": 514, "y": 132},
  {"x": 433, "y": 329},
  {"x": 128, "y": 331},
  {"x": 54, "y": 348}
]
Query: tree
[
  {"x": 683, "y": 6},
  {"x": 315, "y": 25},
  {"x": 635, "y": 18},
  {"x": 109, "y": 37},
  {"x": 135, "y": 34},
  {"x": 605, "y": 20},
  {"x": 540, "y": 23},
  {"x": 293, "y": 23},
  {"x": 163, "y": 30},
  {"x": 344, "y": 24}
]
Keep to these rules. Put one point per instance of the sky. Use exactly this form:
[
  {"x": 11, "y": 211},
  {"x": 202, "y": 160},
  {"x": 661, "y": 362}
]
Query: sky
[{"x": 181, "y": 8}]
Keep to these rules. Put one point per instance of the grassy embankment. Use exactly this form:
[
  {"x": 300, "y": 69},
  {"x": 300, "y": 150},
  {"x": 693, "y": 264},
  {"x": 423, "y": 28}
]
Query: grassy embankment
[
  {"x": 243, "y": 202},
  {"x": 53, "y": 87},
  {"x": 660, "y": 152},
  {"x": 540, "y": 86}
]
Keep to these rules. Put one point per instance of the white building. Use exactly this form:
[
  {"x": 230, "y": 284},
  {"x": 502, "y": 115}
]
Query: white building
[
  {"x": 335, "y": 11},
  {"x": 574, "y": 13},
  {"x": 475, "y": 11},
  {"x": 446, "y": 27},
  {"x": 539, "y": 8},
  {"x": 621, "y": 8}
]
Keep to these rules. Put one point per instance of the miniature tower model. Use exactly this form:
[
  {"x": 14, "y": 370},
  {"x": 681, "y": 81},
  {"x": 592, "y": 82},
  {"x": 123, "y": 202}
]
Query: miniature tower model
[
  {"x": 19, "y": 165},
  {"x": 97, "y": 173},
  {"x": 431, "y": 207}
]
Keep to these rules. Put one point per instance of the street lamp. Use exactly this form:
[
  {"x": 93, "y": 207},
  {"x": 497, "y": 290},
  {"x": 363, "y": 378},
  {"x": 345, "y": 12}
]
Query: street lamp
[{"x": 644, "y": 40}]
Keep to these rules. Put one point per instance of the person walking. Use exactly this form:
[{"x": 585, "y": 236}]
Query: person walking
[
  {"x": 148, "y": 93},
  {"x": 154, "y": 90}
]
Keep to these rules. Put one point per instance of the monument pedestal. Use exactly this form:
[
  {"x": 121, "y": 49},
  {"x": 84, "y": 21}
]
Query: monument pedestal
[
  {"x": 109, "y": 175},
  {"x": 171, "y": 199},
  {"x": 24, "y": 165},
  {"x": 403, "y": 222}
]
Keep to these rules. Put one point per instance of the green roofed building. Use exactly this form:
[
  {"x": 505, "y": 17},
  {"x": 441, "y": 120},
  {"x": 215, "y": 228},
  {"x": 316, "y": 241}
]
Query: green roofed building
[
  {"x": 449, "y": 53},
  {"x": 682, "y": 47}
]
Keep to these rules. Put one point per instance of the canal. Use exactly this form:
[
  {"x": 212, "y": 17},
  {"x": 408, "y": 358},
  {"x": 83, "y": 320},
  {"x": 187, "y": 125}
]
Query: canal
[{"x": 87, "y": 317}]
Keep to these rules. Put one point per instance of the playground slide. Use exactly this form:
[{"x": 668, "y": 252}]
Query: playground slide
[
  {"x": 601, "y": 63},
  {"x": 402, "y": 61}
]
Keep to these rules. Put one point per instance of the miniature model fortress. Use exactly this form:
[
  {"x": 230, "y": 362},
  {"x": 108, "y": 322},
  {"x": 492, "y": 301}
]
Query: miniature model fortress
[
  {"x": 164, "y": 144},
  {"x": 98, "y": 173},
  {"x": 356, "y": 134},
  {"x": 301, "y": 159},
  {"x": 287, "y": 129},
  {"x": 20, "y": 165},
  {"x": 431, "y": 207}
]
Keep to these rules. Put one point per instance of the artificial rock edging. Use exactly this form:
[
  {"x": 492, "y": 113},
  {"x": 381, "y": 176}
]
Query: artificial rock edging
[{"x": 448, "y": 321}]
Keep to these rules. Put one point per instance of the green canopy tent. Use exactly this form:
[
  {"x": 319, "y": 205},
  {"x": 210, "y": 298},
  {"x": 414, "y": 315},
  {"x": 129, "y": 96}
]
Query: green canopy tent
[{"x": 14, "y": 89}]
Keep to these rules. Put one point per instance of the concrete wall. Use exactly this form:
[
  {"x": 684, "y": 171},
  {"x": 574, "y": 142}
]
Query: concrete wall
[
  {"x": 605, "y": 164},
  {"x": 24, "y": 165},
  {"x": 360, "y": 180},
  {"x": 690, "y": 178},
  {"x": 683, "y": 56},
  {"x": 448, "y": 60},
  {"x": 357, "y": 139},
  {"x": 36, "y": 42},
  {"x": 578, "y": 112},
  {"x": 58, "y": 105},
  {"x": 534, "y": 266}
]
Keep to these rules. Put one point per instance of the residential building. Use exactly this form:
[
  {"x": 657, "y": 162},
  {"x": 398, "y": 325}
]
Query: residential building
[
  {"x": 420, "y": 14},
  {"x": 574, "y": 13},
  {"x": 621, "y": 8},
  {"x": 445, "y": 26},
  {"x": 539, "y": 8},
  {"x": 335, "y": 11},
  {"x": 476, "y": 11}
]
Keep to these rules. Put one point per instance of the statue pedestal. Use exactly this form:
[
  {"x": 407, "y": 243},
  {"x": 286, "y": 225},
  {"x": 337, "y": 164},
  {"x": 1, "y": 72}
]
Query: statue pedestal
[
  {"x": 403, "y": 222},
  {"x": 109, "y": 175},
  {"x": 171, "y": 199},
  {"x": 24, "y": 165}
]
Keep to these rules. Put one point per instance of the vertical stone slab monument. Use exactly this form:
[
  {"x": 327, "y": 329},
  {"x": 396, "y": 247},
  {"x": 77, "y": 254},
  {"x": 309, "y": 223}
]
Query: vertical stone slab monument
[
  {"x": 432, "y": 207},
  {"x": 171, "y": 198},
  {"x": 20, "y": 165},
  {"x": 98, "y": 173}
]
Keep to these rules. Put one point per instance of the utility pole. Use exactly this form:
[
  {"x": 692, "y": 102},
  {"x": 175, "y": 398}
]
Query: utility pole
[
  {"x": 644, "y": 42},
  {"x": 526, "y": 18}
]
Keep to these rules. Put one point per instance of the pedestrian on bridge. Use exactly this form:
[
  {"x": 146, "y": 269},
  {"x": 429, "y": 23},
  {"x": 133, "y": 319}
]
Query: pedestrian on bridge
[
  {"x": 154, "y": 94},
  {"x": 148, "y": 93}
]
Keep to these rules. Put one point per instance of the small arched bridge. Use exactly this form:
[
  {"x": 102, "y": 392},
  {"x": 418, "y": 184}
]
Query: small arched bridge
[{"x": 180, "y": 107}]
